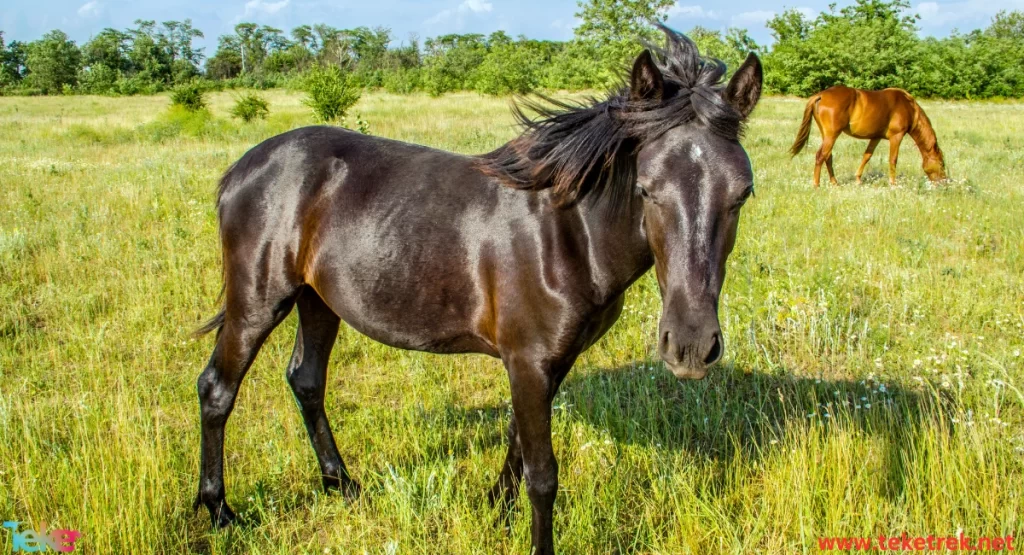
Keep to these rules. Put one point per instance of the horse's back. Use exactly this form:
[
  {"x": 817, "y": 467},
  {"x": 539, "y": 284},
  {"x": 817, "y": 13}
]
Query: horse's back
[{"x": 867, "y": 114}]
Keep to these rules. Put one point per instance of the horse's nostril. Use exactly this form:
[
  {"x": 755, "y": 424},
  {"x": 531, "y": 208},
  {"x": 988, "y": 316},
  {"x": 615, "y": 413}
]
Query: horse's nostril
[
  {"x": 716, "y": 350},
  {"x": 668, "y": 348}
]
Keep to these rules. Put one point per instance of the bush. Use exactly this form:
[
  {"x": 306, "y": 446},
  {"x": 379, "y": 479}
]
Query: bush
[
  {"x": 189, "y": 96},
  {"x": 249, "y": 107},
  {"x": 179, "y": 121},
  {"x": 402, "y": 80},
  {"x": 330, "y": 93},
  {"x": 98, "y": 79}
]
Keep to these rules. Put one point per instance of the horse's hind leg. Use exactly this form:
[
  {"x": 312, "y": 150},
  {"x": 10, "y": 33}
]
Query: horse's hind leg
[
  {"x": 824, "y": 155},
  {"x": 506, "y": 489},
  {"x": 867, "y": 156},
  {"x": 307, "y": 375},
  {"x": 247, "y": 323},
  {"x": 831, "y": 172}
]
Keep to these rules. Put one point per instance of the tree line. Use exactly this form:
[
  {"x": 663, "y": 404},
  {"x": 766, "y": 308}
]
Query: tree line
[{"x": 869, "y": 44}]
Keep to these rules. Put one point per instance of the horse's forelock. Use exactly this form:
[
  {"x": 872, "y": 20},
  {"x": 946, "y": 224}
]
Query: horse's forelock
[{"x": 580, "y": 148}]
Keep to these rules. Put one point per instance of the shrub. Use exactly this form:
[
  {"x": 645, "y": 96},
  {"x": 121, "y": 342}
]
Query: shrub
[
  {"x": 249, "y": 107},
  {"x": 179, "y": 121},
  {"x": 330, "y": 93},
  {"x": 98, "y": 79},
  {"x": 189, "y": 96},
  {"x": 362, "y": 125},
  {"x": 402, "y": 80}
]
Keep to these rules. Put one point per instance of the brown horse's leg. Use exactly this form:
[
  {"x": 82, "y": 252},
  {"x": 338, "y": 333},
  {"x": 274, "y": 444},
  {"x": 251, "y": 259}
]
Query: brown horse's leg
[
  {"x": 239, "y": 340},
  {"x": 533, "y": 389},
  {"x": 894, "y": 154},
  {"x": 867, "y": 156},
  {"x": 831, "y": 172},
  {"x": 824, "y": 154},
  {"x": 307, "y": 375}
]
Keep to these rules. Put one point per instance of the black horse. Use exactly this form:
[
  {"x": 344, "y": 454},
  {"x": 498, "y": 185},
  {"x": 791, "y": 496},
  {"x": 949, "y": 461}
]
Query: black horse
[{"x": 523, "y": 253}]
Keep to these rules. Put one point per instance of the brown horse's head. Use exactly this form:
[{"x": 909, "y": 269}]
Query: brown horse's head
[
  {"x": 694, "y": 179},
  {"x": 932, "y": 161},
  {"x": 934, "y": 164}
]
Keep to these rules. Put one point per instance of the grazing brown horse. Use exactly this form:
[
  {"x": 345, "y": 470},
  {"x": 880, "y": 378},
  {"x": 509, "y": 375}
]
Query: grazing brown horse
[
  {"x": 524, "y": 253},
  {"x": 873, "y": 115}
]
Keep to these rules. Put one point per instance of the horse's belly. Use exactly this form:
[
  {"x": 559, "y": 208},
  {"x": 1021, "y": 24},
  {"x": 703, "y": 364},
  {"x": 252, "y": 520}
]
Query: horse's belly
[{"x": 409, "y": 305}]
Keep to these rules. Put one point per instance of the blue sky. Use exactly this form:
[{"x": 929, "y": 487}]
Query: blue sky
[{"x": 546, "y": 19}]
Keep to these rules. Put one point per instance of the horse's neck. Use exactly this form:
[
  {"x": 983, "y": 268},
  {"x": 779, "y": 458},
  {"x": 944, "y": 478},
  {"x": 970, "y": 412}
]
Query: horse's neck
[
  {"x": 617, "y": 245},
  {"x": 922, "y": 132}
]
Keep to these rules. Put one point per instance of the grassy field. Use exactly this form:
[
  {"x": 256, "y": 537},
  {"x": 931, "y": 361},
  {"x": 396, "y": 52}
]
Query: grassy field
[{"x": 873, "y": 381}]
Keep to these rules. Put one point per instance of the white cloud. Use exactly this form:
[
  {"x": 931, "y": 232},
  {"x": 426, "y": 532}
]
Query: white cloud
[
  {"x": 90, "y": 9},
  {"x": 692, "y": 12},
  {"x": 476, "y": 7},
  {"x": 756, "y": 17},
  {"x": 254, "y": 7}
]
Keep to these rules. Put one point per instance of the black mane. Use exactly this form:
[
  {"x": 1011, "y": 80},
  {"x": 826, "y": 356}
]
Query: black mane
[{"x": 580, "y": 148}]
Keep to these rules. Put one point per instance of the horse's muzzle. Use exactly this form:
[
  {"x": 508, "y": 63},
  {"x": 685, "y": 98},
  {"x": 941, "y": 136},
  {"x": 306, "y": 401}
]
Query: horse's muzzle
[{"x": 690, "y": 361}]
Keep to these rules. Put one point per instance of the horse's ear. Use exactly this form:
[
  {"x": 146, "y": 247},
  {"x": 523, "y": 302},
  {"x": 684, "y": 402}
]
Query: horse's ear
[
  {"x": 744, "y": 88},
  {"x": 646, "y": 82}
]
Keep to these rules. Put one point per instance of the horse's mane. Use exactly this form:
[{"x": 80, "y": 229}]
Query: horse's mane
[{"x": 581, "y": 148}]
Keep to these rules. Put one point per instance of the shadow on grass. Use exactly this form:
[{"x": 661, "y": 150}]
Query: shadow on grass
[
  {"x": 742, "y": 413},
  {"x": 732, "y": 414}
]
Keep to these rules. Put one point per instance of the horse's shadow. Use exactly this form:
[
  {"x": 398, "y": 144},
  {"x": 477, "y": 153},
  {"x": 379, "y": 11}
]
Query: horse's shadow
[{"x": 735, "y": 412}]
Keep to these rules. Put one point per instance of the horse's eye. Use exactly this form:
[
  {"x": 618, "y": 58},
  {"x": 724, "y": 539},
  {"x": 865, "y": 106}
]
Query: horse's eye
[
  {"x": 747, "y": 194},
  {"x": 743, "y": 198},
  {"x": 643, "y": 192}
]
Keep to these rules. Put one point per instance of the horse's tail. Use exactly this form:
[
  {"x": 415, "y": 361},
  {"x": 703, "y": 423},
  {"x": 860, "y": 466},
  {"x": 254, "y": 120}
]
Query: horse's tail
[
  {"x": 805, "y": 126},
  {"x": 217, "y": 322}
]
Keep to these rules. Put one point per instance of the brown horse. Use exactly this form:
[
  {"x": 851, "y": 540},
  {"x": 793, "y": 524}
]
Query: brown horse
[{"x": 874, "y": 115}]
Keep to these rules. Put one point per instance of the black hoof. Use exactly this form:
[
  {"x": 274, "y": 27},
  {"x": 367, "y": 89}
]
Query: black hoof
[
  {"x": 221, "y": 514},
  {"x": 223, "y": 517}
]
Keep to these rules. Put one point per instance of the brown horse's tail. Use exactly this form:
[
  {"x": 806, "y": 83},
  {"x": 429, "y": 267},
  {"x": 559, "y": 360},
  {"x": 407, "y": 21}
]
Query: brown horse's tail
[{"x": 805, "y": 126}]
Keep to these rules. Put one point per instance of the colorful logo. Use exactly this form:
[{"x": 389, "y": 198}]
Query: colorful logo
[{"x": 31, "y": 541}]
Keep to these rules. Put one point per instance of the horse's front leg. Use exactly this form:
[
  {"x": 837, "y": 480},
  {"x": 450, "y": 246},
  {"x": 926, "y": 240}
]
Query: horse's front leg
[{"x": 533, "y": 388}]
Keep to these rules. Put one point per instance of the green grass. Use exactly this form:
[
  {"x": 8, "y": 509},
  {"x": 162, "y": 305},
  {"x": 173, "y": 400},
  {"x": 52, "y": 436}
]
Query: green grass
[{"x": 873, "y": 380}]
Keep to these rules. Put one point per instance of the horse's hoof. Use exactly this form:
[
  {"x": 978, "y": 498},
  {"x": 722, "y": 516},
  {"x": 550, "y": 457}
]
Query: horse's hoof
[
  {"x": 221, "y": 514},
  {"x": 224, "y": 517}
]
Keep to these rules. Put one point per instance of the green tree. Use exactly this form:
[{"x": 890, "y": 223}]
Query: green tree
[
  {"x": 226, "y": 62},
  {"x": 149, "y": 54},
  {"x": 110, "y": 49},
  {"x": 53, "y": 62},
  {"x": 177, "y": 38},
  {"x": 511, "y": 66},
  {"x": 732, "y": 48},
  {"x": 12, "y": 62},
  {"x": 867, "y": 45},
  {"x": 615, "y": 27},
  {"x": 450, "y": 61}
]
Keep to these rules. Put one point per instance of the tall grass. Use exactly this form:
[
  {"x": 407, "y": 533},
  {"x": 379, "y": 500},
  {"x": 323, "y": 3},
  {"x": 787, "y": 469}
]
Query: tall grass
[{"x": 872, "y": 383}]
